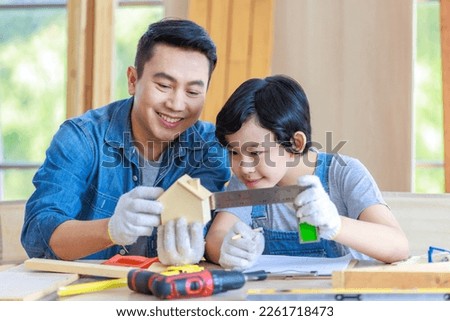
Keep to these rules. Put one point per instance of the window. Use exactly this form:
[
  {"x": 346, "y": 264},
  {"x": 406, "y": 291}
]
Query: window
[
  {"x": 428, "y": 127},
  {"x": 131, "y": 23},
  {"x": 32, "y": 93},
  {"x": 33, "y": 51}
]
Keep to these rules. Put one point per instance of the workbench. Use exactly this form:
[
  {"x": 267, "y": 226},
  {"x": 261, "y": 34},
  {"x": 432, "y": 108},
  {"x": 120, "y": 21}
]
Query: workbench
[{"x": 299, "y": 288}]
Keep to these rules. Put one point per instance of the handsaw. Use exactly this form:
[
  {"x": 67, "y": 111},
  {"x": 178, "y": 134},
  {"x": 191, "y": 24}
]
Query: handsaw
[{"x": 265, "y": 196}]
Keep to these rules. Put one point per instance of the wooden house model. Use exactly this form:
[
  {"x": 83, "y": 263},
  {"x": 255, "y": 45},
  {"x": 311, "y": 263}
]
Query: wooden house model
[{"x": 186, "y": 198}]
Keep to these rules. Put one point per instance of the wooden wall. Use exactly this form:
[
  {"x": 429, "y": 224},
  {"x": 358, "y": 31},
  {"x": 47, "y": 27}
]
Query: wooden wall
[
  {"x": 243, "y": 33},
  {"x": 355, "y": 61}
]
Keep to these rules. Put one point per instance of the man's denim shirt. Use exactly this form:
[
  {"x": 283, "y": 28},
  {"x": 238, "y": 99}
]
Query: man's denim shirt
[{"x": 92, "y": 160}]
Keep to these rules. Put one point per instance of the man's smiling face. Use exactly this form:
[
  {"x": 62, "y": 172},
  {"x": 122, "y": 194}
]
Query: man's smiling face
[{"x": 170, "y": 95}]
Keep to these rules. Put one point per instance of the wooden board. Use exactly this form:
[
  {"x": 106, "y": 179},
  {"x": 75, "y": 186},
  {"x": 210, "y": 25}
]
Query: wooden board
[
  {"x": 19, "y": 284},
  {"x": 11, "y": 222},
  {"x": 82, "y": 268},
  {"x": 401, "y": 276}
]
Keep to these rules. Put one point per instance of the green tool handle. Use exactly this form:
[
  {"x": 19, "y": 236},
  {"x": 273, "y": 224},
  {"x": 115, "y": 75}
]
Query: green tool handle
[{"x": 308, "y": 233}]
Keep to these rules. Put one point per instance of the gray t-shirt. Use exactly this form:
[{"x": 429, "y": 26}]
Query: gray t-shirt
[
  {"x": 351, "y": 188},
  {"x": 149, "y": 171}
]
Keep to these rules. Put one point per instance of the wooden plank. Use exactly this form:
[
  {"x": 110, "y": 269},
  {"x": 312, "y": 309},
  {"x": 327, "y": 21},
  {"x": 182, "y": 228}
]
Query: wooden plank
[
  {"x": 220, "y": 18},
  {"x": 401, "y": 276},
  {"x": 242, "y": 31},
  {"x": 103, "y": 49},
  {"x": 84, "y": 268},
  {"x": 88, "y": 58},
  {"x": 261, "y": 38},
  {"x": 89, "y": 55},
  {"x": 17, "y": 284},
  {"x": 76, "y": 53},
  {"x": 4, "y": 267},
  {"x": 445, "y": 54},
  {"x": 198, "y": 12},
  {"x": 239, "y": 46}
]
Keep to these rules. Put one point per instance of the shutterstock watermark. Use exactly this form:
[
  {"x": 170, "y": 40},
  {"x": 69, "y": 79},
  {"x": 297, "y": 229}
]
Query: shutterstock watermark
[
  {"x": 192, "y": 153},
  {"x": 273, "y": 149},
  {"x": 183, "y": 152}
]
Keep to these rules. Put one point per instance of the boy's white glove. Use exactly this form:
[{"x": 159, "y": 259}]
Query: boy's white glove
[
  {"x": 241, "y": 252},
  {"x": 315, "y": 207},
  {"x": 180, "y": 243},
  {"x": 136, "y": 214}
]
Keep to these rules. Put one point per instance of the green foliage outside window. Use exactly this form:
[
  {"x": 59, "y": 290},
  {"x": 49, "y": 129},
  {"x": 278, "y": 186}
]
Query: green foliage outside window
[
  {"x": 33, "y": 51},
  {"x": 32, "y": 90},
  {"x": 428, "y": 99}
]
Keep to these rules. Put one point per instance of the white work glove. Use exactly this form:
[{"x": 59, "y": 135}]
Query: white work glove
[
  {"x": 180, "y": 243},
  {"x": 136, "y": 214},
  {"x": 315, "y": 207},
  {"x": 241, "y": 252}
]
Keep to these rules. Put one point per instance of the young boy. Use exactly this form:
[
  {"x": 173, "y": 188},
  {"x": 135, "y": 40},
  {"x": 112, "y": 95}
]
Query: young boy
[{"x": 265, "y": 125}]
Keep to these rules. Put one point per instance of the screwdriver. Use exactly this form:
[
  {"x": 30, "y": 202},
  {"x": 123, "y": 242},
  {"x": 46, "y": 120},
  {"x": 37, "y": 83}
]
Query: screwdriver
[{"x": 189, "y": 285}]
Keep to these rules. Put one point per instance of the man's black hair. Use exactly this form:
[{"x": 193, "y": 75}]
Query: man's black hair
[{"x": 178, "y": 33}]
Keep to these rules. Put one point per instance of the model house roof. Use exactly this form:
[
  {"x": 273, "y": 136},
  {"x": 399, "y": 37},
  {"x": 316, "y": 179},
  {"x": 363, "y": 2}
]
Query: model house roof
[{"x": 192, "y": 185}]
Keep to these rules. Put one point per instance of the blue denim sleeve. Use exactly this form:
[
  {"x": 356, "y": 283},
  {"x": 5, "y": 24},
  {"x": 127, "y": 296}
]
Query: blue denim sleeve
[{"x": 59, "y": 186}]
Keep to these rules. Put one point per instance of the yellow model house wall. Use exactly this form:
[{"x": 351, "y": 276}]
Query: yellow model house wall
[{"x": 186, "y": 198}]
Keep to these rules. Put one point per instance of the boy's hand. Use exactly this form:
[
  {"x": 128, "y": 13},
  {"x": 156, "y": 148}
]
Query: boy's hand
[
  {"x": 136, "y": 214},
  {"x": 241, "y": 247},
  {"x": 315, "y": 207},
  {"x": 180, "y": 243}
]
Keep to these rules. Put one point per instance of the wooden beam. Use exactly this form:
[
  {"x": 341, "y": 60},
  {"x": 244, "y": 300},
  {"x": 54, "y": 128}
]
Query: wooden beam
[
  {"x": 90, "y": 54},
  {"x": 402, "y": 276},
  {"x": 76, "y": 52},
  {"x": 103, "y": 49},
  {"x": 445, "y": 53}
]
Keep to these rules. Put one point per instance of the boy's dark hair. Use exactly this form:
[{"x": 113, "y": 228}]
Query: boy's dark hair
[
  {"x": 178, "y": 33},
  {"x": 278, "y": 103}
]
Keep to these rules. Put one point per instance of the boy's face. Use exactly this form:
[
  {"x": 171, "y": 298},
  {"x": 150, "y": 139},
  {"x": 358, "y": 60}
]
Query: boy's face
[
  {"x": 256, "y": 159},
  {"x": 170, "y": 95}
]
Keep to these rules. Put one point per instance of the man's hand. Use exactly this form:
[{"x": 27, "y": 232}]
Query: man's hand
[
  {"x": 315, "y": 207},
  {"x": 241, "y": 247},
  {"x": 136, "y": 214},
  {"x": 180, "y": 243}
]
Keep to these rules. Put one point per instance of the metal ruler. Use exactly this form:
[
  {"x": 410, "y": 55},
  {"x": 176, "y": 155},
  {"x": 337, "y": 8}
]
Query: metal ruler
[
  {"x": 260, "y": 196},
  {"x": 265, "y": 196}
]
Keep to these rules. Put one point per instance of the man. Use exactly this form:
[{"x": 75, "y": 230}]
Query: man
[{"x": 96, "y": 191}]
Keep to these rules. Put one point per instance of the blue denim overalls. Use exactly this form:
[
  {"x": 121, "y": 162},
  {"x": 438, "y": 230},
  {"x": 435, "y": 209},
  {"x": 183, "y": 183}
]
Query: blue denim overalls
[{"x": 287, "y": 242}]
